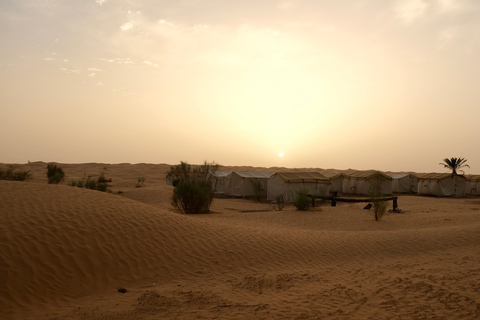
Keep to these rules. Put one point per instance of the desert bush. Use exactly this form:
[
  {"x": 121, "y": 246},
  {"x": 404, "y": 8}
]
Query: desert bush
[
  {"x": 14, "y": 175},
  {"x": 91, "y": 183},
  {"x": 280, "y": 202},
  {"x": 302, "y": 201},
  {"x": 178, "y": 173},
  {"x": 193, "y": 191},
  {"x": 140, "y": 182},
  {"x": 102, "y": 179},
  {"x": 258, "y": 191},
  {"x": 102, "y": 186},
  {"x": 55, "y": 174},
  {"x": 375, "y": 194}
]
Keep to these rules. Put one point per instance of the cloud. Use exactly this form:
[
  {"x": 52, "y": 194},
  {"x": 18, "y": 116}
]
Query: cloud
[
  {"x": 410, "y": 10},
  {"x": 118, "y": 60},
  {"x": 127, "y": 26},
  {"x": 161, "y": 42},
  {"x": 72, "y": 71},
  {"x": 94, "y": 69},
  {"x": 100, "y": 2},
  {"x": 151, "y": 63},
  {"x": 165, "y": 22}
]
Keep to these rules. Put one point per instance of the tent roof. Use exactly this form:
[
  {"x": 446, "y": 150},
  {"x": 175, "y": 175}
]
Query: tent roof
[
  {"x": 253, "y": 174},
  {"x": 221, "y": 174},
  {"x": 303, "y": 176},
  {"x": 473, "y": 177},
  {"x": 368, "y": 174},
  {"x": 438, "y": 176},
  {"x": 333, "y": 175},
  {"x": 399, "y": 175},
  {"x": 402, "y": 175}
]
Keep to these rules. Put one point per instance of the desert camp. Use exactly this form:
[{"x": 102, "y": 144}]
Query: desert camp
[{"x": 128, "y": 253}]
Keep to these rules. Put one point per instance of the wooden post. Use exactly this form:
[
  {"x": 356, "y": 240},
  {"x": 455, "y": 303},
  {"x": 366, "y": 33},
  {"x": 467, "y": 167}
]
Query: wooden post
[
  {"x": 334, "y": 202},
  {"x": 395, "y": 204}
]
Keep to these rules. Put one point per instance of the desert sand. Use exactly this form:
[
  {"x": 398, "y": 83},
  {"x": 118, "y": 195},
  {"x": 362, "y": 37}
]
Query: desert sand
[{"x": 65, "y": 252}]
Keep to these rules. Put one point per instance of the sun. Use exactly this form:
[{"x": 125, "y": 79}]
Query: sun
[{"x": 280, "y": 154}]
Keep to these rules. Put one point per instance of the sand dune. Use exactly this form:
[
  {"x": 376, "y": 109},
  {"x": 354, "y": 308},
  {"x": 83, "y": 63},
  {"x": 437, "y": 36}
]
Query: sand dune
[{"x": 65, "y": 251}]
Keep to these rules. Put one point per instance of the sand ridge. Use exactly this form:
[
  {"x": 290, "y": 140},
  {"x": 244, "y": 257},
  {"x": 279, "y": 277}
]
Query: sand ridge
[{"x": 65, "y": 251}]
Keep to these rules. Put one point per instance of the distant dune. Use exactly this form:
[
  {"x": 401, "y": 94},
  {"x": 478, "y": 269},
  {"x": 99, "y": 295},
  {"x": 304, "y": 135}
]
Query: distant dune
[{"x": 65, "y": 252}]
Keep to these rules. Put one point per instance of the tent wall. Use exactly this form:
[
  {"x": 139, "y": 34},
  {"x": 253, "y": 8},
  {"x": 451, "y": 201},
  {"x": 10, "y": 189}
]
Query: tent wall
[
  {"x": 452, "y": 186},
  {"x": 336, "y": 184},
  {"x": 220, "y": 183},
  {"x": 361, "y": 186},
  {"x": 238, "y": 185},
  {"x": 313, "y": 188},
  {"x": 473, "y": 188},
  {"x": 280, "y": 185},
  {"x": 275, "y": 187},
  {"x": 405, "y": 184}
]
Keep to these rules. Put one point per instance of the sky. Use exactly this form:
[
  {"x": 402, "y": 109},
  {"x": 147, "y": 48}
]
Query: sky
[{"x": 361, "y": 84}]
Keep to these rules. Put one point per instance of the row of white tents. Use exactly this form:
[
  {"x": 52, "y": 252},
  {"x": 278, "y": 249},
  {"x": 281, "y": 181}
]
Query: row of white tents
[{"x": 248, "y": 183}]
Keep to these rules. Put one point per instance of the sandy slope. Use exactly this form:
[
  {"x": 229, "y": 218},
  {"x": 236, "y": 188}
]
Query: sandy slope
[{"x": 64, "y": 252}]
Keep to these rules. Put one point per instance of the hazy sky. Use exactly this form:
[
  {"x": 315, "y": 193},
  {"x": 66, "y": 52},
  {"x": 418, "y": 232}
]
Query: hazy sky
[{"x": 367, "y": 84}]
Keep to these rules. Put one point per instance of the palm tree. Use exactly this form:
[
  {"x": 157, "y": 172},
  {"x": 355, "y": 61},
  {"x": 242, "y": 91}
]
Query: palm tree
[{"x": 454, "y": 164}]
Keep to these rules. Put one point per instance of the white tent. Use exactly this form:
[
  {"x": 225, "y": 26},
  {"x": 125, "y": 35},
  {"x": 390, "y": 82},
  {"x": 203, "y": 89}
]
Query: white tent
[
  {"x": 473, "y": 184},
  {"x": 404, "y": 183},
  {"x": 287, "y": 183},
  {"x": 336, "y": 181},
  {"x": 442, "y": 185},
  {"x": 241, "y": 183},
  {"x": 361, "y": 182},
  {"x": 219, "y": 181}
]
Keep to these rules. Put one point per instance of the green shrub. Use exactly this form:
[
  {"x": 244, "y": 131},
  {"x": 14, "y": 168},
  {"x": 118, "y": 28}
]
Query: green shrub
[
  {"x": 102, "y": 186},
  {"x": 178, "y": 173},
  {"x": 374, "y": 192},
  {"x": 91, "y": 183},
  {"x": 280, "y": 201},
  {"x": 80, "y": 183},
  {"x": 193, "y": 192},
  {"x": 302, "y": 202},
  {"x": 140, "y": 182},
  {"x": 12, "y": 175},
  {"x": 258, "y": 191},
  {"x": 102, "y": 179},
  {"x": 55, "y": 174}
]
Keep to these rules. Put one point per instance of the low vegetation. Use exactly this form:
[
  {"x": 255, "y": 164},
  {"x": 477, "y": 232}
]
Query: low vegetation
[
  {"x": 375, "y": 194},
  {"x": 258, "y": 191},
  {"x": 302, "y": 201},
  {"x": 15, "y": 175},
  {"x": 194, "y": 189},
  {"x": 99, "y": 184},
  {"x": 140, "y": 182},
  {"x": 280, "y": 202},
  {"x": 55, "y": 174}
]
